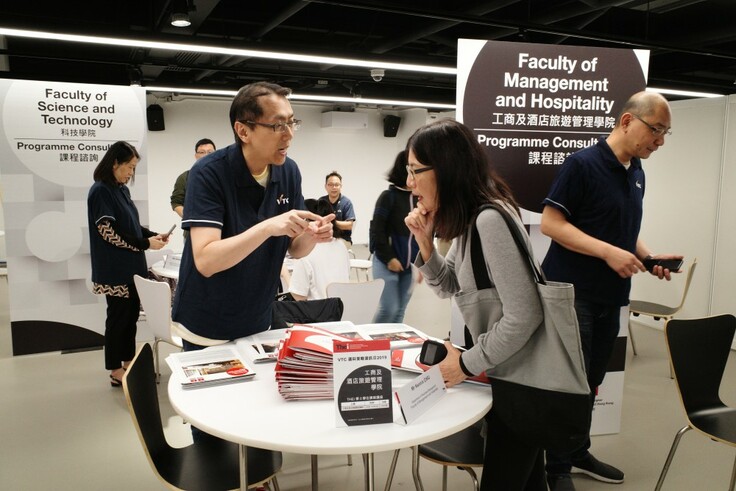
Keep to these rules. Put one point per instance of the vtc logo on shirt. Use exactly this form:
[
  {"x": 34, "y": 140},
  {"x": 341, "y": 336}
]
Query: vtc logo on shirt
[{"x": 281, "y": 200}]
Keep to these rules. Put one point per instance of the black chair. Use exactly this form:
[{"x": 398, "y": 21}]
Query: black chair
[
  {"x": 210, "y": 466},
  {"x": 287, "y": 312},
  {"x": 699, "y": 350},
  {"x": 463, "y": 450}
]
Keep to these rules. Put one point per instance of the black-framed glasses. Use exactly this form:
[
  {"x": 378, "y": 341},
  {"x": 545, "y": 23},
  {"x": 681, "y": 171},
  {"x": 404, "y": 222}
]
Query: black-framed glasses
[
  {"x": 294, "y": 125},
  {"x": 655, "y": 131},
  {"x": 414, "y": 171}
]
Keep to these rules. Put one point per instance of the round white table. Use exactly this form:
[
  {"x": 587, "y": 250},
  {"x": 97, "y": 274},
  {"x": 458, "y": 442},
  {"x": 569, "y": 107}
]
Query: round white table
[
  {"x": 160, "y": 269},
  {"x": 253, "y": 413}
]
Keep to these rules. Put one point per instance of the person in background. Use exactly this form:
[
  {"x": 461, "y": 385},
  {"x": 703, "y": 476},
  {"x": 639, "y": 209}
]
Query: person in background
[
  {"x": 342, "y": 207},
  {"x": 452, "y": 178},
  {"x": 593, "y": 215},
  {"x": 203, "y": 147},
  {"x": 117, "y": 241},
  {"x": 244, "y": 210},
  {"x": 328, "y": 262},
  {"x": 393, "y": 247}
]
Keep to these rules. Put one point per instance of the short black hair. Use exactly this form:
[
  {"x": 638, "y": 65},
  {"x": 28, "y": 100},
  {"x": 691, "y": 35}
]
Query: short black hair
[
  {"x": 119, "y": 152},
  {"x": 333, "y": 173},
  {"x": 204, "y": 141},
  {"x": 245, "y": 105},
  {"x": 398, "y": 174}
]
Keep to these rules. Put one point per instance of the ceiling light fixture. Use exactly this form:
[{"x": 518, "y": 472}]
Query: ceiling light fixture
[
  {"x": 273, "y": 55},
  {"x": 684, "y": 93},
  {"x": 310, "y": 98},
  {"x": 180, "y": 19}
]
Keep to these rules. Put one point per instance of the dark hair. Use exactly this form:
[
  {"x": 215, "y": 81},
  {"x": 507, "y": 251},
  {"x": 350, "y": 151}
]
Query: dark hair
[
  {"x": 245, "y": 105},
  {"x": 465, "y": 179},
  {"x": 119, "y": 153},
  {"x": 204, "y": 141},
  {"x": 397, "y": 175},
  {"x": 333, "y": 173}
]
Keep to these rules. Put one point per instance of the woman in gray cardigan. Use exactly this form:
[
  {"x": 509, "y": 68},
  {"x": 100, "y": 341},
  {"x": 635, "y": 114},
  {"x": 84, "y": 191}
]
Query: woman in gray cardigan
[{"x": 452, "y": 177}]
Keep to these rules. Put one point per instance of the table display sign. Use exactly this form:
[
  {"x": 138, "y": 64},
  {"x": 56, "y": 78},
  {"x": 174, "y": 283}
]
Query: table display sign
[
  {"x": 416, "y": 397},
  {"x": 362, "y": 382}
]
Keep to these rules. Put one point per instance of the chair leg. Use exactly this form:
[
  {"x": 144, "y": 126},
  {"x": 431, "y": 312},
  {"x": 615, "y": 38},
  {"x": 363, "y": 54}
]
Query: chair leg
[
  {"x": 275, "y": 483},
  {"x": 667, "y": 462},
  {"x": 473, "y": 476},
  {"x": 631, "y": 337},
  {"x": 350, "y": 459},
  {"x": 156, "y": 342},
  {"x": 444, "y": 478},
  {"x": 733, "y": 475}
]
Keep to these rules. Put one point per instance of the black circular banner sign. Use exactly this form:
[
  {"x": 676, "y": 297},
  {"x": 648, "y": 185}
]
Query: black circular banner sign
[{"x": 532, "y": 105}]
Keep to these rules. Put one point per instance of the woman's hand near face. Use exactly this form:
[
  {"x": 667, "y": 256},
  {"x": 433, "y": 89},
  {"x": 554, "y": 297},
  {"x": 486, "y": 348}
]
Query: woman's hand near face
[{"x": 421, "y": 224}]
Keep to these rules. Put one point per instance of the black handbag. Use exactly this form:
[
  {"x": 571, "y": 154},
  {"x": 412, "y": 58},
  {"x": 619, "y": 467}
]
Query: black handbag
[
  {"x": 541, "y": 392},
  {"x": 288, "y": 312}
]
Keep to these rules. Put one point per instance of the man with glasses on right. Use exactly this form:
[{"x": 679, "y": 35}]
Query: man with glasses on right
[{"x": 593, "y": 215}]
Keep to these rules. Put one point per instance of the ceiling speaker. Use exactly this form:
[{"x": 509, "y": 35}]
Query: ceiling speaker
[
  {"x": 155, "y": 116},
  {"x": 391, "y": 125}
]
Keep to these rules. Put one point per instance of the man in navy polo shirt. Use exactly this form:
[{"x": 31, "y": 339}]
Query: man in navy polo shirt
[
  {"x": 244, "y": 210},
  {"x": 593, "y": 215},
  {"x": 342, "y": 206}
]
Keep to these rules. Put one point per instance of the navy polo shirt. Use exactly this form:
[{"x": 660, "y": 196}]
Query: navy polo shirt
[
  {"x": 222, "y": 193},
  {"x": 113, "y": 265},
  {"x": 604, "y": 200}
]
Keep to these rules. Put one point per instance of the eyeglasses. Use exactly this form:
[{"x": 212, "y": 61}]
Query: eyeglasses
[
  {"x": 294, "y": 125},
  {"x": 204, "y": 152},
  {"x": 414, "y": 171},
  {"x": 655, "y": 131}
]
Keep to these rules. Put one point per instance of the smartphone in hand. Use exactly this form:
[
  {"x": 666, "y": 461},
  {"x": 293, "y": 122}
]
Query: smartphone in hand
[
  {"x": 166, "y": 235},
  {"x": 671, "y": 264}
]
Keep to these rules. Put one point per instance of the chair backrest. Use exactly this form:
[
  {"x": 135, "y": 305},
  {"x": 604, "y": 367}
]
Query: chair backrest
[
  {"x": 156, "y": 301},
  {"x": 699, "y": 351},
  {"x": 360, "y": 299},
  {"x": 139, "y": 385},
  {"x": 305, "y": 312},
  {"x": 689, "y": 279}
]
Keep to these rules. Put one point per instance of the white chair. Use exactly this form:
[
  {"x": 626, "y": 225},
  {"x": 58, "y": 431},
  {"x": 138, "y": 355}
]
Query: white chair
[
  {"x": 360, "y": 265},
  {"x": 359, "y": 299},
  {"x": 156, "y": 303}
]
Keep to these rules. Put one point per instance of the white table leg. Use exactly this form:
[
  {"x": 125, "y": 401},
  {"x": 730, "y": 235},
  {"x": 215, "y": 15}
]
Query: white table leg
[{"x": 243, "y": 451}]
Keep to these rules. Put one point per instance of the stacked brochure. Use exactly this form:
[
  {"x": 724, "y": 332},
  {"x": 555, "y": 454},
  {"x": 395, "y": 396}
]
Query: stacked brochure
[
  {"x": 211, "y": 366},
  {"x": 304, "y": 365},
  {"x": 304, "y": 368}
]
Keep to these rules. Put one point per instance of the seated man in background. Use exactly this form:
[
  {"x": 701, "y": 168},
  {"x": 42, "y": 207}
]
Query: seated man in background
[{"x": 327, "y": 263}]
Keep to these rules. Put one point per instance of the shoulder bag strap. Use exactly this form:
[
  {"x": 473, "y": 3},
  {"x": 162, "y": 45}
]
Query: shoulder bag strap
[{"x": 480, "y": 272}]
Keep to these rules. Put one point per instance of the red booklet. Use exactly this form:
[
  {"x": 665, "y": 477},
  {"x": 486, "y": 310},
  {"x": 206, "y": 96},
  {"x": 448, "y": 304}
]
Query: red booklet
[{"x": 304, "y": 367}]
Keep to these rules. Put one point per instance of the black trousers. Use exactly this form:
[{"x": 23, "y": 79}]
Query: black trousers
[
  {"x": 120, "y": 328},
  {"x": 509, "y": 463}
]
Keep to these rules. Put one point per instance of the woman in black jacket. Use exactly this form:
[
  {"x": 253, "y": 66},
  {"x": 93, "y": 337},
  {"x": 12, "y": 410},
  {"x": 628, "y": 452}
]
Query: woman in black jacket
[
  {"x": 393, "y": 248},
  {"x": 117, "y": 241}
]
